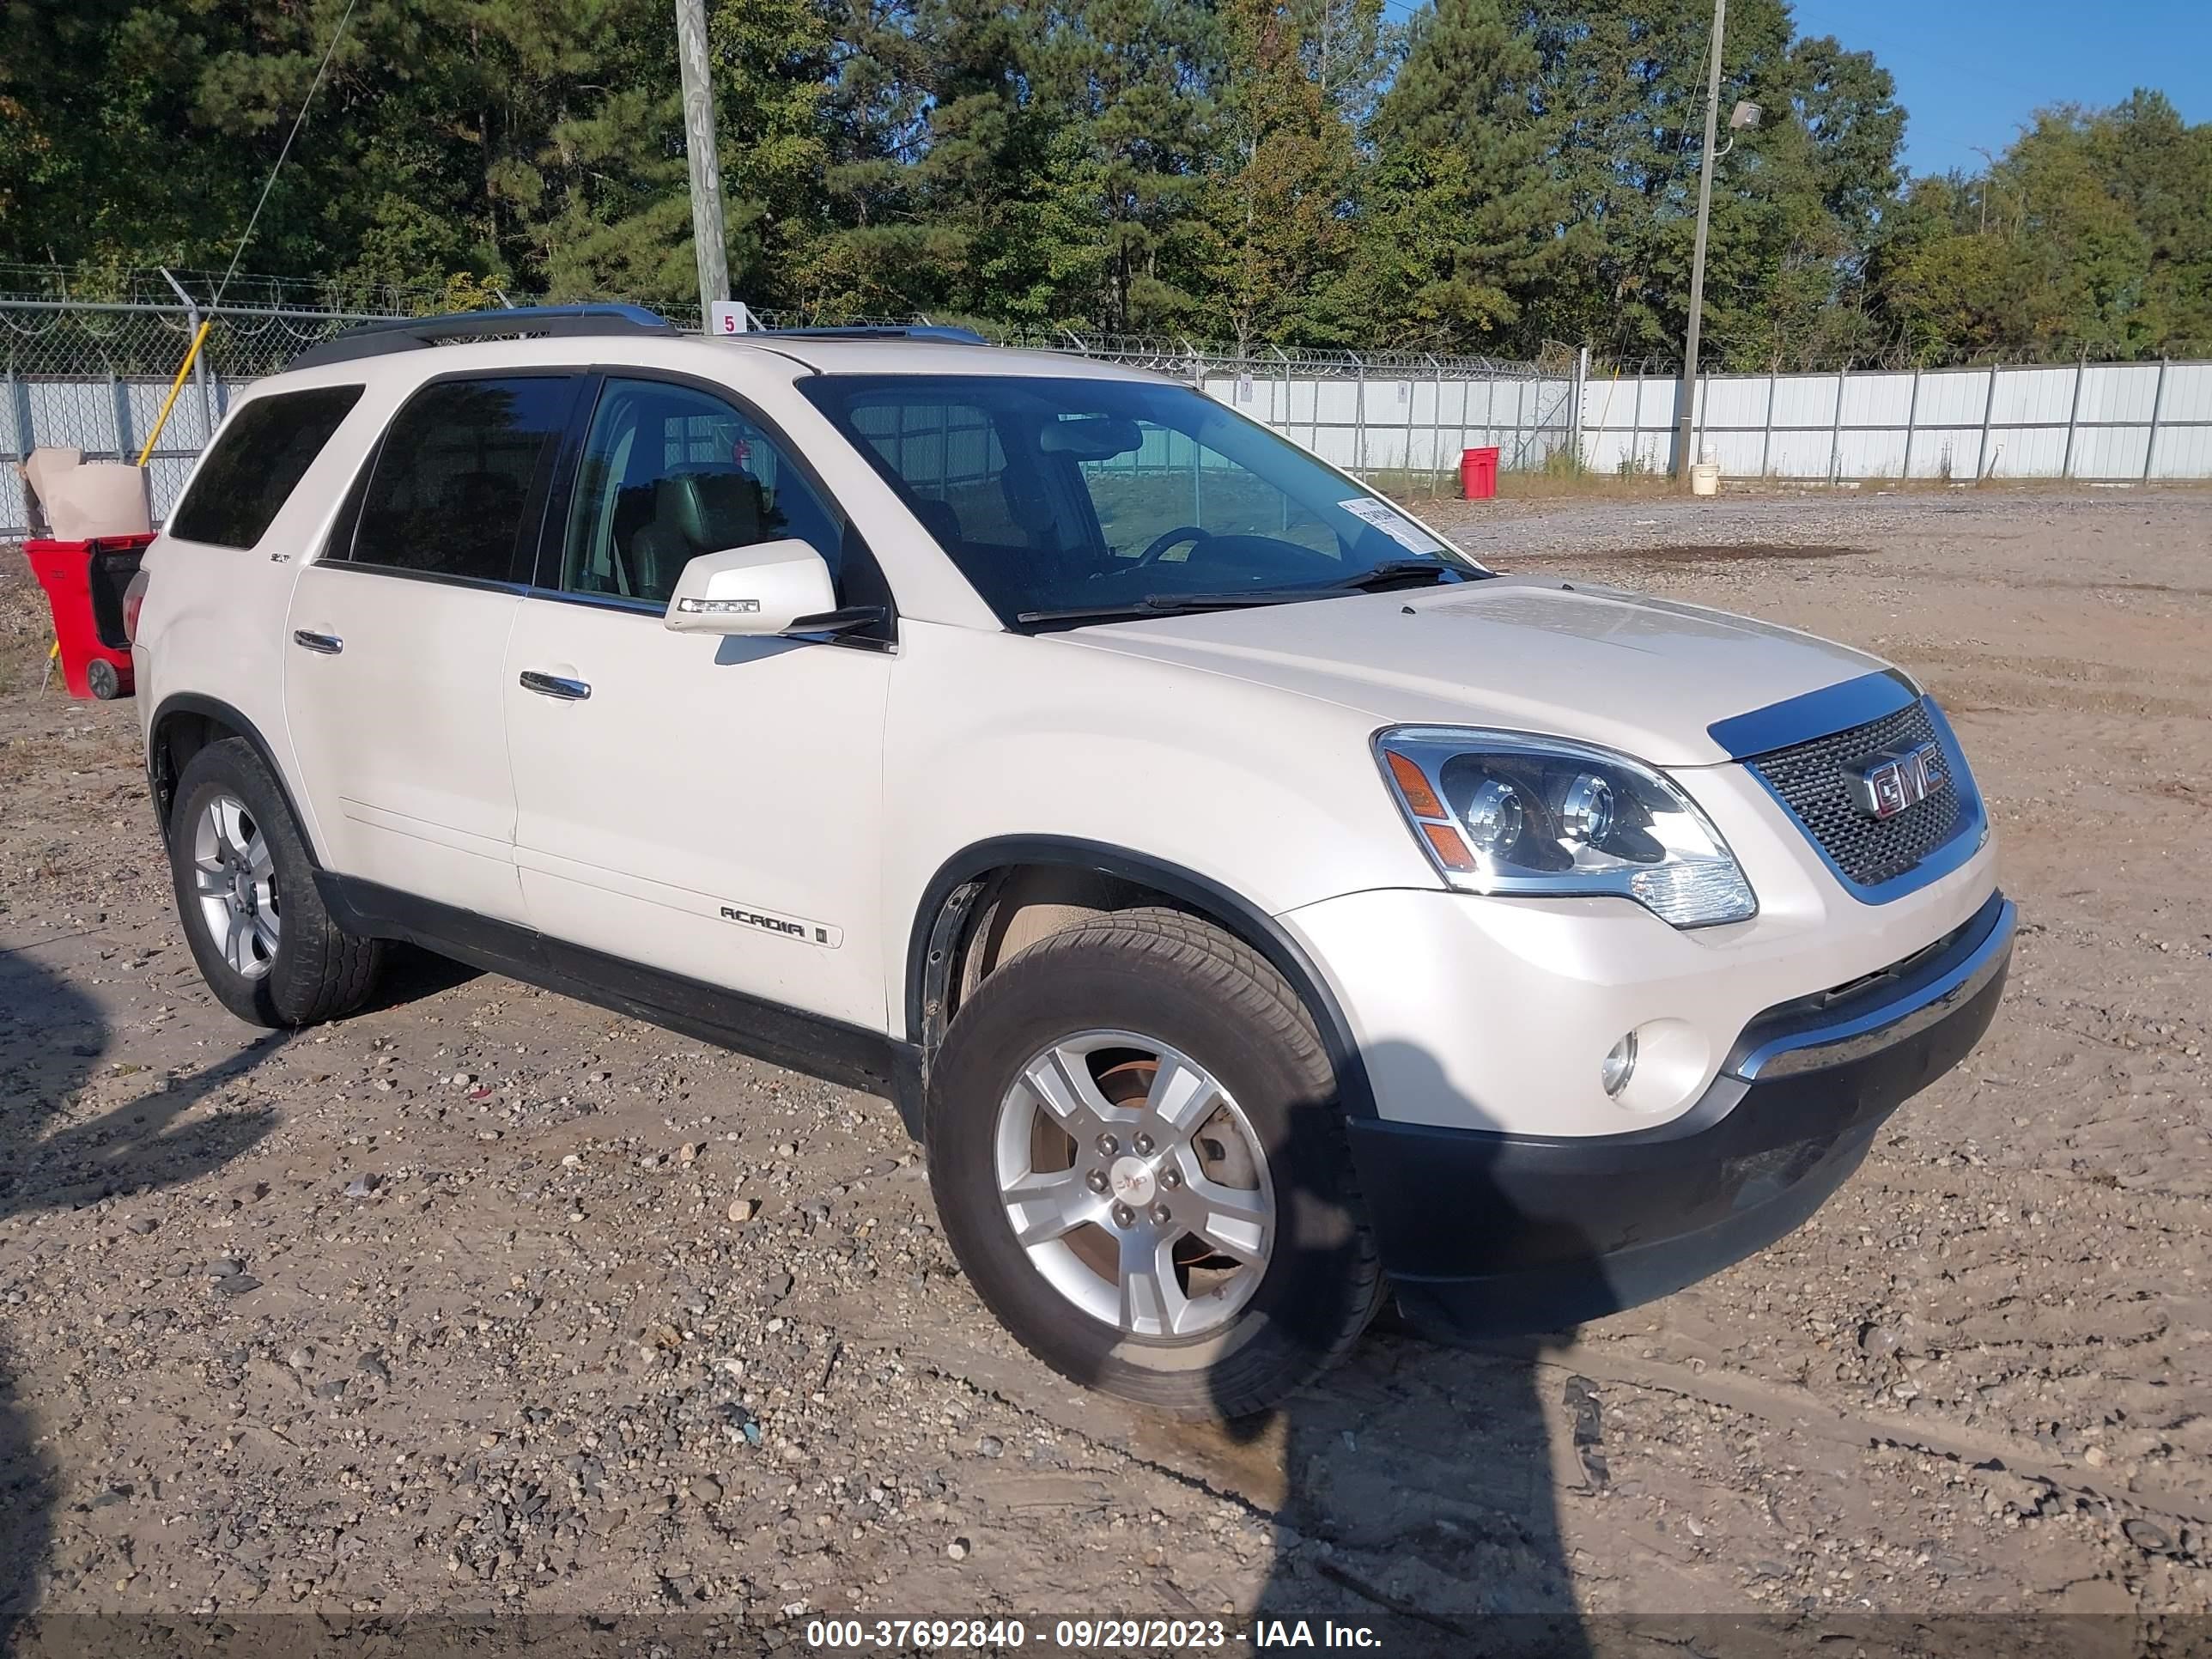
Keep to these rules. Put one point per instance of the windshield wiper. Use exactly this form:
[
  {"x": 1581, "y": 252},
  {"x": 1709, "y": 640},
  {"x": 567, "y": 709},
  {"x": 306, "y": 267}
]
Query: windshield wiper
[
  {"x": 1390, "y": 574},
  {"x": 1391, "y": 571},
  {"x": 1164, "y": 604}
]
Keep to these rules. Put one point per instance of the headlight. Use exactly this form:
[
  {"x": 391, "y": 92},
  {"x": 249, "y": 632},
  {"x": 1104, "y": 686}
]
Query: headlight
[{"x": 1501, "y": 812}]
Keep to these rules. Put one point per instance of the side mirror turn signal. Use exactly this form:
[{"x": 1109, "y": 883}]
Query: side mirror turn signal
[{"x": 754, "y": 591}]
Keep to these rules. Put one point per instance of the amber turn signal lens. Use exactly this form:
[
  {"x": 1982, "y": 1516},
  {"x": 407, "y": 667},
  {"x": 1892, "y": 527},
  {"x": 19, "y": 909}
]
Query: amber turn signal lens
[
  {"x": 1414, "y": 784},
  {"x": 1451, "y": 852}
]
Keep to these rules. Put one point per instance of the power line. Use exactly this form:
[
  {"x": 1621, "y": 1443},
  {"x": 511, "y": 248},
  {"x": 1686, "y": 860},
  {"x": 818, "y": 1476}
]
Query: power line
[{"x": 315, "y": 86}]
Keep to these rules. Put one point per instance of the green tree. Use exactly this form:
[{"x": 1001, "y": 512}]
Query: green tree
[
  {"x": 1133, "y": 81},
  {"x": 1490, "y": 175},
  {"x": 1274, "y": 196},
  {"x": 1459, "y": 225},
  {"x": 2087, "y": 235},
  {"x": 1625, "y": 96}
]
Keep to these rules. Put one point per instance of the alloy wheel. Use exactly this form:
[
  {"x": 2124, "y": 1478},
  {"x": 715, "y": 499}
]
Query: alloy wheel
[
  {"x": 234, "y": 878},
  {"x": 1135, "y": 1184}
]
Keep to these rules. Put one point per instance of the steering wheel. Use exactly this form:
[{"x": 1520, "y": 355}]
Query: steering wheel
[{"x": 1188, "y": 533}]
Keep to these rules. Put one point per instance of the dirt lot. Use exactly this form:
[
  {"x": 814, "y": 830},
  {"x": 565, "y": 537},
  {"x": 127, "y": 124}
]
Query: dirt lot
[{"x": 483, "y": 1301}]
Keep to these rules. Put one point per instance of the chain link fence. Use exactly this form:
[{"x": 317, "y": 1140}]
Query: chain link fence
[{"x": 91, "y": 375}]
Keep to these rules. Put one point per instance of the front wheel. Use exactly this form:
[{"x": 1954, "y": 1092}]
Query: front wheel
[{"x": 1138, "y": 1156}]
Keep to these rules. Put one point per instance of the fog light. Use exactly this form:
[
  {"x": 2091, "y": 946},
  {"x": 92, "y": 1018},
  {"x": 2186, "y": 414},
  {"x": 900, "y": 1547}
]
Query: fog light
[{"x": 1619, "y": 1067}]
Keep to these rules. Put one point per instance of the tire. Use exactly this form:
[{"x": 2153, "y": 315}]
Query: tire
[
  {"x": 1199, "y": 999},
  {"x": 315, "y": 972}
]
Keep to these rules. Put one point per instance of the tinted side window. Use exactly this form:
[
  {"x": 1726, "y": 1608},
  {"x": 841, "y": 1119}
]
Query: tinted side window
[
  {"x": 669, "y": 473},
  {"x": 258, "y": 458},
  {"x": 456, "y": 474}
]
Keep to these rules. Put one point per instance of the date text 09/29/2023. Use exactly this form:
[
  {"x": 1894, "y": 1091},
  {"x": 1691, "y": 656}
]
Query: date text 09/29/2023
[{"x": 1099, "y": 1636}]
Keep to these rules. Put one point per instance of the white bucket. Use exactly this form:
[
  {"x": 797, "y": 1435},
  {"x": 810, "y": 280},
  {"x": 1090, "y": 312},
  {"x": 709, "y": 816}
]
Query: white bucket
[{"x": 1706, "y": 478}]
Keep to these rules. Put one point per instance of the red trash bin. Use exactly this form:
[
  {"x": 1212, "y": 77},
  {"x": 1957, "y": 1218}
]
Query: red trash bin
[
  {"x": 1478, "y": 474},
  {"x": 84, "y": 583}
]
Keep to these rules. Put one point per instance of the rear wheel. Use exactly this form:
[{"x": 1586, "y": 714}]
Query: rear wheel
[
  {"x": 245, "y": 894},
  {"x": 1137, "y": 1152}
]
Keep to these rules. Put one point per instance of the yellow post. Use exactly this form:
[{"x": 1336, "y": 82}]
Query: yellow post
[{"x": 175, "y": 386}]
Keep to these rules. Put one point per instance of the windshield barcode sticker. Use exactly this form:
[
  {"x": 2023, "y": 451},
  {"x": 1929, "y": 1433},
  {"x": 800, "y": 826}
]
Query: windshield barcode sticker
[{"x": 1404, "y": 532}]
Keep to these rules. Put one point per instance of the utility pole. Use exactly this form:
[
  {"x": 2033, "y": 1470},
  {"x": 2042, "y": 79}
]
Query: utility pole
[
  {"x": 707, "y": 235},
  {"x": 1686, "y": 411}
]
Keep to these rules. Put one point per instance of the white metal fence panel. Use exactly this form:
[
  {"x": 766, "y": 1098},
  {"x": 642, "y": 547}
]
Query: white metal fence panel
[
  {"x": 2182, "y": 448},
  {"x": 2091, "y": 421}
]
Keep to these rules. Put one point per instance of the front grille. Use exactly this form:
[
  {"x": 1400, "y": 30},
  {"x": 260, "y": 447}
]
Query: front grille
[{"x": 1810, "y": 779}]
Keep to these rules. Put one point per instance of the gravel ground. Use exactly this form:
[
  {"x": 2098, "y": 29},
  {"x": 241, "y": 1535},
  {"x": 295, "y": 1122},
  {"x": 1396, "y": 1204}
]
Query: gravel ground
[{"x": 483, "y": 1301}]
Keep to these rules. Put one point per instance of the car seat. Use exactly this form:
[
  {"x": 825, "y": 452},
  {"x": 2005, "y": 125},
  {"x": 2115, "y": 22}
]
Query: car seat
[{"x": 694, "y": 512}]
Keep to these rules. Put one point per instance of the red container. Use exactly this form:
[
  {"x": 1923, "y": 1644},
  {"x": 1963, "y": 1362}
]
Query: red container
[
  {"x": 84, "y": 583},
  {"x": 1478, "y": 474}
]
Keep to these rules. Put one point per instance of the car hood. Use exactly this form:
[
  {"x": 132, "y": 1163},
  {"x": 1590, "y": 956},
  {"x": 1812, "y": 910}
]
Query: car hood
[{"x": 1648, "y": 677}]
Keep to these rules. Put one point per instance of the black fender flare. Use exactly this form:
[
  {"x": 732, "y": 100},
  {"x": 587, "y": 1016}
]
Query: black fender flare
[
  {"x": 213, "y": 708},
  {"x": 928, "y": 958}
]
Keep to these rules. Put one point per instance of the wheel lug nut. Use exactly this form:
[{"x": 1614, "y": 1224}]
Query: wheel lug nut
[
  {"x": 1171, "y": 1177},
  {"x": 1143, "y": 1146},
  {"x": 1107, "y": 1145},
  {"x": 1096, "y": 1181},
  {"x": 1160, "y": 1214},
  {"x": 1124, "y": 1216}
]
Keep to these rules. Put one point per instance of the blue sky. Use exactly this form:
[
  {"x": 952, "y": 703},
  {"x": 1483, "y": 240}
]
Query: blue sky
[{"x": 1972, "y": 72}]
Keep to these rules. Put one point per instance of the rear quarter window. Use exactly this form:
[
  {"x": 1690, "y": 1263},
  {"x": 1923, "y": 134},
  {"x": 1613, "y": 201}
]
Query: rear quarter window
[{"x": 259, "y": 458}]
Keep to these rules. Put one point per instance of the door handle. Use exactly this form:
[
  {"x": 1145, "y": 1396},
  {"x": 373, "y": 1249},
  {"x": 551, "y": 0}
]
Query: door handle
[
  {"x": 328, "y": 644},
  {"x": 552, "y": 685}
]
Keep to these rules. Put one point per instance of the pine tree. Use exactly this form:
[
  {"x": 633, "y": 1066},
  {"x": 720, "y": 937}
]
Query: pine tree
[
  {"x": 1275, "y": 194},
  {"x": 1133, "y": 82},
  {"x": 1458, "y": 224}
]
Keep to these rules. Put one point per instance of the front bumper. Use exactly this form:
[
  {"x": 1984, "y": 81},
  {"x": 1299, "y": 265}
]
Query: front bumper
[{"x": 1489, "y": 1233}]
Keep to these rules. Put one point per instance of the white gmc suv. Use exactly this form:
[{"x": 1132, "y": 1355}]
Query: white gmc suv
[{"x": 1242, "y": 895}]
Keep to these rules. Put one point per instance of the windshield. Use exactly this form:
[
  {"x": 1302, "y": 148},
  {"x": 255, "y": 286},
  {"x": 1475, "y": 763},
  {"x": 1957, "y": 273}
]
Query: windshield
[{"x": 1063, "y": 498}]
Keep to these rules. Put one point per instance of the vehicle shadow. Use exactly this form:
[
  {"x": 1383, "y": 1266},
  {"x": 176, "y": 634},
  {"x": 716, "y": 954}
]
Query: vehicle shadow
[
  {"x": 411, "y": 973},
  {"x": 1421, "y": 1482},
  {"x": 56, "y": 1042}
]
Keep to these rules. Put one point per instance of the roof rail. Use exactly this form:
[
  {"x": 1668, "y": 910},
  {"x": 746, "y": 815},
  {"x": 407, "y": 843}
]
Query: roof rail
[
  {"x": 412, "y": 333},
  {"x": 877, "y": 331}
]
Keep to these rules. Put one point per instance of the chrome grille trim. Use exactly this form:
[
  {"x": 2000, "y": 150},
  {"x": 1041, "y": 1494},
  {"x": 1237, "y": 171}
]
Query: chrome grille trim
[{"x": 1878, "y": 858}]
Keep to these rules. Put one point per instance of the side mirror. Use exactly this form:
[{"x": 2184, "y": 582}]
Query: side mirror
[{"x": 751, "y": 590}]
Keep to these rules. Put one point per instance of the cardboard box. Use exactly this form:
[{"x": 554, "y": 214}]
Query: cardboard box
[{"x": 73, "y": 499}]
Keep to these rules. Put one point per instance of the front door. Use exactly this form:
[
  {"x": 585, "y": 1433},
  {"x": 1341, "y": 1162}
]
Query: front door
[
  {"x": 397, "y": 634},
  {"x": 710, "y": 807}
]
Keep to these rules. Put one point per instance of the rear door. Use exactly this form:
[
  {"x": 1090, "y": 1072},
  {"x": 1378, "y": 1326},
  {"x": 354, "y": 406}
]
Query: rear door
[
  {"x": 397, "y": 633},
  {"x": 711, "y": 807}
]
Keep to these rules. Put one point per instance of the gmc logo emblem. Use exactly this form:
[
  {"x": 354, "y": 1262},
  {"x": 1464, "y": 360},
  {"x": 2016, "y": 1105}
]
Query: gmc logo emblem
[{"x": 1883, "y": 785}]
